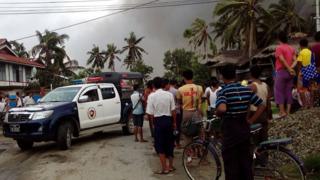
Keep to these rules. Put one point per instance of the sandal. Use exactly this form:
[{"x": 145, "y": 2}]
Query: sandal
[
  {"x": 162, "y": 172},
  {"x": 143, "y": 140},
  {"x": 172, "y": 169},
  {"x": 281, "y": 116},
  {"x": 189, "y": 160}
]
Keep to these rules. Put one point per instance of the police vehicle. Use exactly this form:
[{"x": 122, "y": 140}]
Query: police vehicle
[{"x": 73, "y": 111}]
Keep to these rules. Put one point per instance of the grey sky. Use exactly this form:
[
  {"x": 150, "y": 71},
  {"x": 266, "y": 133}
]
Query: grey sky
[{"x": 162, "y": 28}]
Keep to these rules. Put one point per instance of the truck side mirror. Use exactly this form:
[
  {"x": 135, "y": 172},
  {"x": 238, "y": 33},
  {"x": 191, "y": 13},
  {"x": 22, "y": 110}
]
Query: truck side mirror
[{"x": 83, "y": 98}]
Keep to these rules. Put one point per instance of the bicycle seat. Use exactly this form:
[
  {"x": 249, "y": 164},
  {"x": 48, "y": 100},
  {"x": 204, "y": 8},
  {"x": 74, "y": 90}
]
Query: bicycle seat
[
  {"x": 255, "y": 127},
  {"x": 276, "y": 142}
]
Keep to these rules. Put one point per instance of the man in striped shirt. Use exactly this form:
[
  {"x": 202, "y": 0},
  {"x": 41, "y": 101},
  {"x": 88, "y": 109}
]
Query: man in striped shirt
[{"x": 233, "y": 103}]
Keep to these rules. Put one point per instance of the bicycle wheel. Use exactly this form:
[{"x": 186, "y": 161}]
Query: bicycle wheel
[
  {"x": 278, "y": 163},
  {"x": 201, "y": 162}
]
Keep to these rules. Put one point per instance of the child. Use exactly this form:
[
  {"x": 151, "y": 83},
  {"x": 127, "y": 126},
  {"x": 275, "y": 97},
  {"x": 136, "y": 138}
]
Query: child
[{"x": 262, "y": 91}]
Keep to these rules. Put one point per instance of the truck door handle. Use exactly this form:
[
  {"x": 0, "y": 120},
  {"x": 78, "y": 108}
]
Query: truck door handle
[
  {"x": 118, "y": 102},
  {"x": 100, "y": 105}
]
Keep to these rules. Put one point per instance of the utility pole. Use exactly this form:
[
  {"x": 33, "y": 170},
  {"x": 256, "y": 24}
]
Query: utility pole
[{"x": 317, "y": 15}]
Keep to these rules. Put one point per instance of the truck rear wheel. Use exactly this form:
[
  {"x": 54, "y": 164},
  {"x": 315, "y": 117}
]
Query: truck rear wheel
[
  {"x": 129, "y": 127},
  {"x": 24, "y": 144},
  {"x": 64, "y": 135}
]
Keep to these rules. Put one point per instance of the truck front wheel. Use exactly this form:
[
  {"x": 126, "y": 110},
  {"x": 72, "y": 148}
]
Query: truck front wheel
[
  {"x": 64, "y": 135},
  {"x": 24, "y": 144}
]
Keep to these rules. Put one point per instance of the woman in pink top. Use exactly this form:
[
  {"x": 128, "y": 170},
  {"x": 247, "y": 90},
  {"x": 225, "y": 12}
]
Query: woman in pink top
[{"x": 285, "y": 63}]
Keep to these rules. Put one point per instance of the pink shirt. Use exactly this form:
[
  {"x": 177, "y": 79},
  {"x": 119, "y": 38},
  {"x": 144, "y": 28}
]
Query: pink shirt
[{"x": 287, "y": 52}]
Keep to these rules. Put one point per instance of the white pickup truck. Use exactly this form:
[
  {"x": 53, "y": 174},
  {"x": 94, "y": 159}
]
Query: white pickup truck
[{"x": 69, "y": 112}]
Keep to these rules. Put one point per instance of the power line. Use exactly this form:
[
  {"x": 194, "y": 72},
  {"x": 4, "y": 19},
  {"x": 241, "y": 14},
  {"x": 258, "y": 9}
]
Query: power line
[
  {"x": 99, "y": 9},
  {"x": 56, "y": 2},
  {"x": 140, "y": 6},
  {"x": 93, "y": 19},
  {"x": 88, "y": 5}
]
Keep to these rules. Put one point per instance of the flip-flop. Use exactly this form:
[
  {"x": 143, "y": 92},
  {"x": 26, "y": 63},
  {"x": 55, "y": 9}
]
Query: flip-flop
[
  {"x": 282, "y": 116},
  {"x": 189, "y": 160},
  {"x": 172, "y": 169},
  {"x": 162, "y": 172},
  {"x": 143, "y": 141}
]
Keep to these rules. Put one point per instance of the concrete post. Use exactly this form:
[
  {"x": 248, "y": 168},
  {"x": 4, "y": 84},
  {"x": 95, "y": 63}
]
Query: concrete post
[{"x": 317, "y": 15}]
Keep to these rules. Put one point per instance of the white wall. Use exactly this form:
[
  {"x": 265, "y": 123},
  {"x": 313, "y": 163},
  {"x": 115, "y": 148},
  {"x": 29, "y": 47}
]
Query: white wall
[{"x": 9, "y": 77}]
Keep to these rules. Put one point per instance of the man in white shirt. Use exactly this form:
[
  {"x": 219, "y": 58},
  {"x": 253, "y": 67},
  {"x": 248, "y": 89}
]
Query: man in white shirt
[
  {"x": 161, "y": 108},
  {"x": 211, "y": 95},
  {"x": 28, "y": 100},
  {"x": 2, "y": 104},
  {"x": 19, "y": 101}
]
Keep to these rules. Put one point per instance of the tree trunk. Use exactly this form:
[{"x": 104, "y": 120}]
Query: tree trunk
[{"x": 252, "y": 38}]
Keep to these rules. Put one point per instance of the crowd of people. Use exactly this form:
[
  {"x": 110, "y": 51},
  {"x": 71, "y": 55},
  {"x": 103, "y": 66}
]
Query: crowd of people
[
  {"x": 170, "y": 106},
  {"x": 297, "y": 75},
  {"x": 19, "y": 101}
]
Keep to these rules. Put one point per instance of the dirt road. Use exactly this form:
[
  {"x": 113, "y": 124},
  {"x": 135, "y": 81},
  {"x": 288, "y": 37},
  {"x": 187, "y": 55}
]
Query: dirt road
[{"x": 106, "y": 156}]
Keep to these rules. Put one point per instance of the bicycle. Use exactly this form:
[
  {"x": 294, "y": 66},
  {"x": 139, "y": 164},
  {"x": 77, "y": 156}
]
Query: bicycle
[{"x": 272, "y": 160}]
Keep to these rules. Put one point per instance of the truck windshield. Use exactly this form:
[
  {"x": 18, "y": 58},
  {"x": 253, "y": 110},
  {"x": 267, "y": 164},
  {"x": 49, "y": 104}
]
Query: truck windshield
[{"x": 63, "y": 94}]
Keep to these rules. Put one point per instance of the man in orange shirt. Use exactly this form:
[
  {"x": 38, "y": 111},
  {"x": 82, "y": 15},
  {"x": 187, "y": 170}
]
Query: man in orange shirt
[{"x": 189, "y": 96}]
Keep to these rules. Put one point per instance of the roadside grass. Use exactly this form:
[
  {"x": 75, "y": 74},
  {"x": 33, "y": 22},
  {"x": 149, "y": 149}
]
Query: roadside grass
[{"x": 312, "y": 165}]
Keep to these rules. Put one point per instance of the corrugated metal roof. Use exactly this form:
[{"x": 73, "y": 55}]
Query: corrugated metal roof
[{"x": 18, "y": 60}]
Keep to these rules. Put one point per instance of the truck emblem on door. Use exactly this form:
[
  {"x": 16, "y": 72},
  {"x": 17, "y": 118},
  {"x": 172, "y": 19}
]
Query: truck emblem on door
[{"x": 91, "y": 113}]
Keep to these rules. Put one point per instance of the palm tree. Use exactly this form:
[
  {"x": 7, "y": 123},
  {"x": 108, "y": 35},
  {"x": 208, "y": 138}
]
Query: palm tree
[
  {"x": 70, "y": 67},
  {"x": 199, "y": 35},
  {"x": 96, "y": 58},
  {"x": 50, "y": 49},
  {"x": 51, "y": 52},
  {"x": 134, "y": 51},
  {"x": 286, "y": 17},
  {"x": 240, "y": 18},
  {"x": 226, "y": 34},
  {"x": 19, "y": 49},
  {"x": 111, "y": 55}
]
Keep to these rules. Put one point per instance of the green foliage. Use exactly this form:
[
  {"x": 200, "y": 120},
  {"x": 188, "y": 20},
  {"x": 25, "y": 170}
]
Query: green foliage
[
  {"x": 32, "y": 86},
  {"x": 96, "y": 58},
  {"x": 142, "y": 68},
  {"x": 238, "y": 18},
  {"x": 111, "y": 54},
  {"x": 199, "y": 37},
  {"x": 248, "y": 21},
  {"x": 201, "y": 72},
  {"x": 134, "y": 51},
  {"x": 19, "y": 49},
  {"x": 312, "y": 164},
  {"x": 178, "y": 60},
  {"x": 51, "y": 52},
  {"x": 85, "y": 73}
]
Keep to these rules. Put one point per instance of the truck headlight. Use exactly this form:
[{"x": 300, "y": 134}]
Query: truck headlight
[{"x": 42, "y": 115}]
